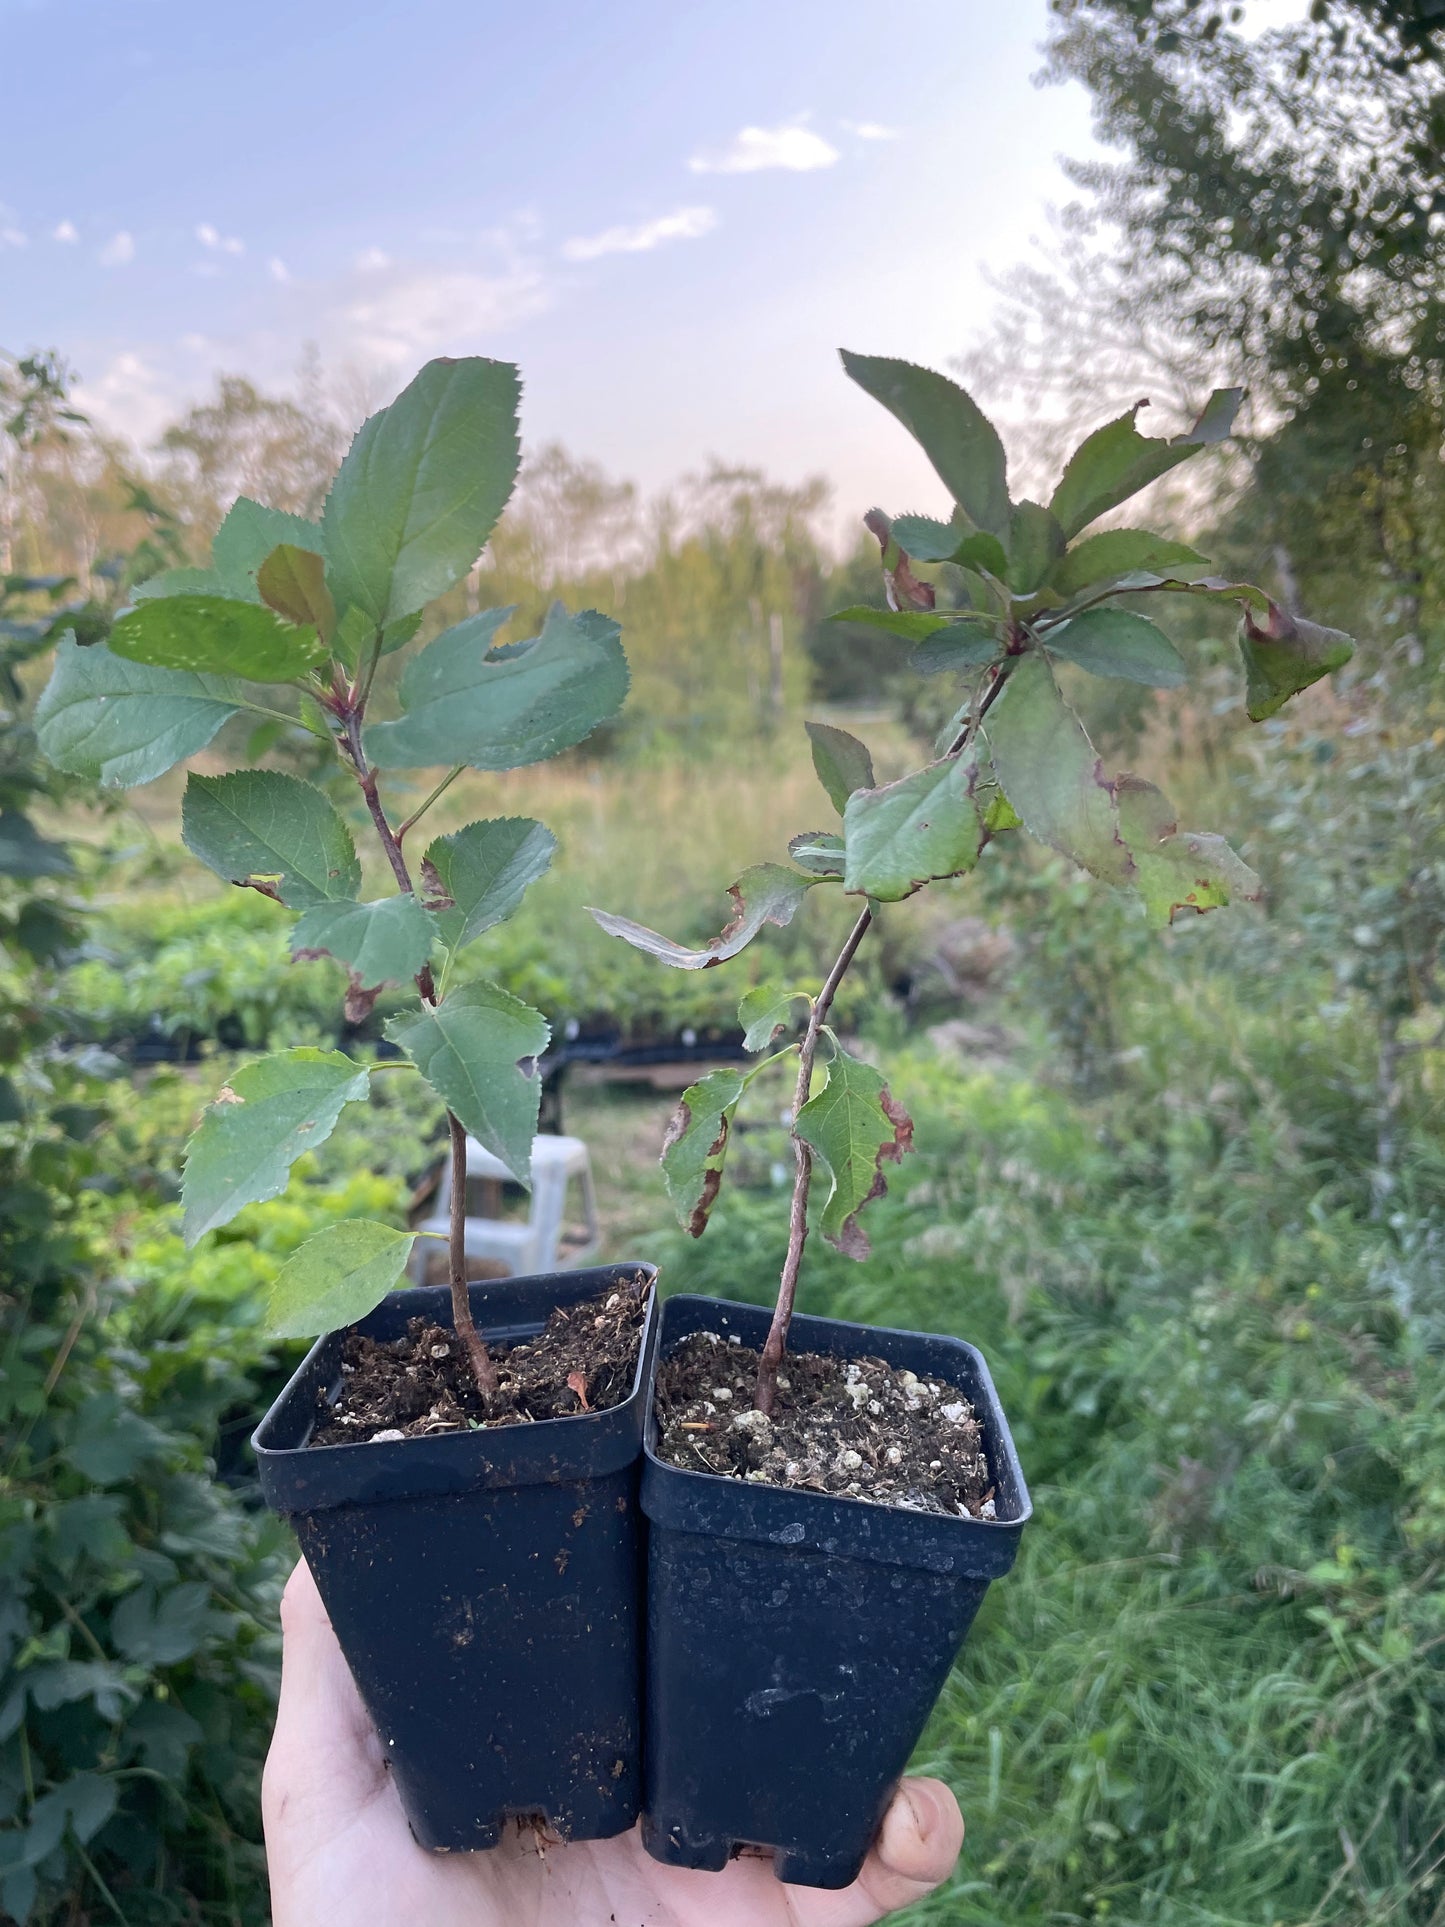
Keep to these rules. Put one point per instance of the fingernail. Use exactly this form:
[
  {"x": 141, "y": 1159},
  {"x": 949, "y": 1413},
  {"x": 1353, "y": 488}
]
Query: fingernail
[{"x": 923, "y": 1804}]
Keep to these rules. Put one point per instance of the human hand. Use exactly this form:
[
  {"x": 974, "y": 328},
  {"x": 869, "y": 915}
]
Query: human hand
[{"x": 338, "y": 1846}]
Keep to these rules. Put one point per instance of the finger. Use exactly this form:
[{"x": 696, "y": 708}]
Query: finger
[
  {"x": 324, "y": 1752},
  {"x": 916, "y": 1850}
]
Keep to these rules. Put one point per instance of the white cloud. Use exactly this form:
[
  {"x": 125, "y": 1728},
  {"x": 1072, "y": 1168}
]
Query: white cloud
[
  {"x": 65, "y": 231},
  {"x": 130, "y": 398},
  {"x": 118, "y": 250},
  {"x": 687, "y": 224},
  {"x": 372, "y": 260},
  {"x": 794, "y": 147},
  {"x": 871, "y": 130},
  {"x": 421, "y": 311},
  {"x": 211, "y": 237},
  {"x": 13, "y": 237},
  {"x": 195, "y": 344},
  {"x": 277, "y": 269}
]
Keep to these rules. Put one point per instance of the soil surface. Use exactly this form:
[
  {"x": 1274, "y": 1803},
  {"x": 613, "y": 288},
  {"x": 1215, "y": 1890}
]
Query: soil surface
[
  {"x": 417, "y": 1386},
  {"x": 856, "y": 1427}
]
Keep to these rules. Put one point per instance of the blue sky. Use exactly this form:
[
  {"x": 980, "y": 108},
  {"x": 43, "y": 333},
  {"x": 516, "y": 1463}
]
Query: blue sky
[{"x": 670, "y": 214}]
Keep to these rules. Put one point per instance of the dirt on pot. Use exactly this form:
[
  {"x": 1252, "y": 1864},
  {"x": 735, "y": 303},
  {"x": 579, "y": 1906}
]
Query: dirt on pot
[
  {"x": 855, "y": 1427},
  {"x": 415, "y": 1387}
]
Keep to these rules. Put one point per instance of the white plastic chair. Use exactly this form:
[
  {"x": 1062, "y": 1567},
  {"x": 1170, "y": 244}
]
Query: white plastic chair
[{"x": 523, "y": 1246}]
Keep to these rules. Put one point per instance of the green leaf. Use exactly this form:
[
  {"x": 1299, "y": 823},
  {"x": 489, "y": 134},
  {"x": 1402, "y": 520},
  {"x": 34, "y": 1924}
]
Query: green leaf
[
  {"x": 110, "y": 1441},
  {"x": 913, "y": 625},
  {"x": 380, "y": 943},
  {"x": 24, "y": 852},
  {"x": 539, "y": 698},
  {"x": 842, "y": 762},
  {"x": 151, "y": 1631},
  {"x": 962, "y": 645},
  {"x": 272, "y": 833},
  {"x": 765, "y": 1012},
  {"x": 421, "y": 488},
  {"x": 927, "y": 539},
  {"x": 954, "y": 433},
  {"x": 1115, "y": 552},
  {"x": 478, "y": 1049},
  {"x": 767, "y": 893},
  {"x": 122, "y": 723},
  {"x": 263, "y": 1120},
  {"x": 1048, "y": 769},
  {"x": 336, "y": 1278},
  {"x": 355, "y": 632},
  {"x": 984, "y": 553},
  {"x": 1117, "y": 461},
  {"x": 1285, "y": 654},
  {"x": 476, "y": 877},
  {"x": 249, "y": 534},
  {"x": 907, "y": 833},
  {"x": 292, "y": 581},
  {"x": 180, "y": 582},
  {"x": 216, "y": 634},
  {"x": 695, "y": 1147},
  {"x": 855, "y": 1127},
  {"x": 12, "y": 1105},
  {"x": 1177, "y": 869},
  {"x": 1115, "y": 642},
  {"x": 1035, "y": 544},
  {"x": 818, "y": 852}
]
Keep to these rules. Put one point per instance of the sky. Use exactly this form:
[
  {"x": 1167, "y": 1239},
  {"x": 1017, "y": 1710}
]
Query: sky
[{"x": 670, "y": 213}]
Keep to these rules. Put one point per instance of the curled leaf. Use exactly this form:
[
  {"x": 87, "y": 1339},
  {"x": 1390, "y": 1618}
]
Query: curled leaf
[
  {"x": 695, "y": 1147},
  {"x": 855, "y": 1126},
  {"x": 902, "y": 587},
  {"x": 1284, "y": 654},
  {"x": 767, "y": 893}
]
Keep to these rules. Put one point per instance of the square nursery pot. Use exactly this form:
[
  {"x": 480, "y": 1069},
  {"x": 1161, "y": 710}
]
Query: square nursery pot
[
  {"x": 797, "y": 1641},
  {"x": 485, "y": 1586}
]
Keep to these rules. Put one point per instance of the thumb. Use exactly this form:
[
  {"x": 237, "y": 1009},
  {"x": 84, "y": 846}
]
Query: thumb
[
  {"x": 325, "y": 1762},
  {"x": 916, "y": 1849}
]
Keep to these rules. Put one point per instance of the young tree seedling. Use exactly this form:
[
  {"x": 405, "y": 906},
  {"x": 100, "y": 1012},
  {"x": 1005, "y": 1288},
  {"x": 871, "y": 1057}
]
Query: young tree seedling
[
  {"x": 289, "y": 623},
  {"x": 1033, "y": 589}
]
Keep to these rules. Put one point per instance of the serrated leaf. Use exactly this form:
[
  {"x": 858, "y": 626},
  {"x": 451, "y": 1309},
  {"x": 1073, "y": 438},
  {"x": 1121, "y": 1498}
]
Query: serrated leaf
[
  {"x": 24, "y": 852},
  {"x": 913, "y": 625},
  {"x": 462, "y": 707},
  {"x": 984, "y": 553},
  {"x": 1285, "y": 654},
  {"x": 1115, "y": 642},
  {"x": 336, "y": 1278},
  {"x": 765, "y": 1012},
  {"x": 272, "y": 833},
  {"x": 842, "y": 762},
  {"x": 478, "y": 1049},
  {"x": 152, "y": 1631},
  {"x": 292, "y": 581},
  {"x": 1049, "y": 771},
  {"x": 123, "y": 723},
  {"x": 1116, "y": 461},
  {"x": 421, "y": 488},
  {"x": 907, "y": 833},
  {"x": 1114, "y": 552},
  {"x": 476, "y": 877},
  {"x": 954, "y": 433},
  {"x": 270, "y": 1113},
  {"x": 818, "y": 852},
  {"x": 1177, "y": 869},
  {"x": 1035, "y": 543},
  {"x": 695, "y": 1147},
  {"x": 249, "y": 534},
  {"x": 927, "y": 539},
  {"x": 380, "y": 943},
  {"x": 355, "y": 632},
  {"x": 855, "y": 1127},
  {"x": 962, "y": 645},
  {"x": 216, "y": 635},
  {"x": 766, "y": 893}
]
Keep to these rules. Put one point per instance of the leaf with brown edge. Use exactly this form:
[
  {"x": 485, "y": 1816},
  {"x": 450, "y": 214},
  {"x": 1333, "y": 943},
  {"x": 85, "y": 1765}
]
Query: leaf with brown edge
[
  {"x": 855, "y": 1126},
  {"x": 695, "y": 1147},
  {"x": 767, "y": 893},
  {"x": 1284, "y": 654},
  {"x": 292, "y": 581},
  {"x": 902, "y": 587},
  {"x": 1177, "y": 869}
]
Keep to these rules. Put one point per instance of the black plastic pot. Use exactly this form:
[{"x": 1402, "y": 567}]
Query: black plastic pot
[
  {"x": 797, "y": 1641},
  {"x": 485, "y": 1586}
]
